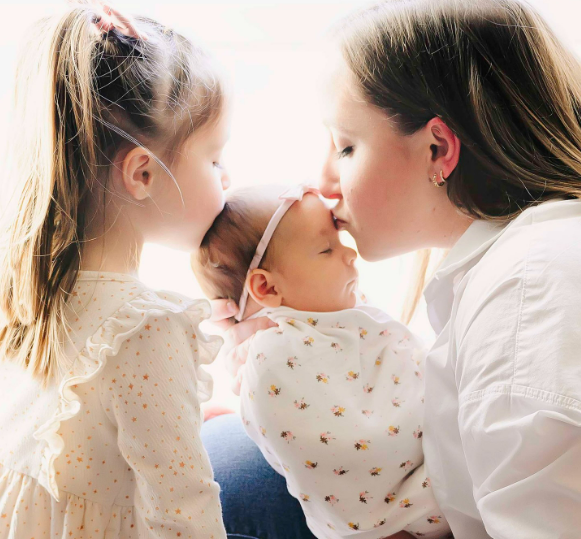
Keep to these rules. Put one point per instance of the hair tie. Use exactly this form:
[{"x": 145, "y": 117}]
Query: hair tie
[{"x": 106, "y": 19}]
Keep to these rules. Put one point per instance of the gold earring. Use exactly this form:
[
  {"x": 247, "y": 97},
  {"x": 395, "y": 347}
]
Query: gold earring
[{"x": 442, "y": 181}]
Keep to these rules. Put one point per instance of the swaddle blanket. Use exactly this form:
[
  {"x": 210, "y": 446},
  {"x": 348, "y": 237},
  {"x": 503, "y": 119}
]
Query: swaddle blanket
[{"x": 335, "y": 403}]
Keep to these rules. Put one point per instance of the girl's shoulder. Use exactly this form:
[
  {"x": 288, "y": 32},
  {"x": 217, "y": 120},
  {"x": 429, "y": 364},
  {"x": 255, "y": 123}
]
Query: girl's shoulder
[
  {"x": 108, "y": 313},
  {"x": 100, "y": 298},
  {"x": 108, "y": 308}
]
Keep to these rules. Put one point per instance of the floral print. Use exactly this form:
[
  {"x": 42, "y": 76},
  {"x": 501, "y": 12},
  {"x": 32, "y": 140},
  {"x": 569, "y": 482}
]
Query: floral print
[
  {"x": 301, "y": 405},
  {"x": 341, "y": 391},
  {"x": 292, "y": 362}
]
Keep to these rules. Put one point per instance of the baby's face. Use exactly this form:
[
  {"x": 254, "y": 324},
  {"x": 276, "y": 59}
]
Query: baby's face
[{"x": 314, "y": 270}]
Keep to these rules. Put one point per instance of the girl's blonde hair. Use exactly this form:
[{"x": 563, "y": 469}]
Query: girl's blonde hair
[
  {"x": 81, "y": 97},
  {"x": 496, "y": 74}
]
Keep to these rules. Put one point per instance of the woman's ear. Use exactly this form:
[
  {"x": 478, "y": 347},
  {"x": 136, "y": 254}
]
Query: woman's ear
[
  {"x": 138, "y": 171},
  {"x": 445, "y": 147},
  {"x": 263, "y": 289}
]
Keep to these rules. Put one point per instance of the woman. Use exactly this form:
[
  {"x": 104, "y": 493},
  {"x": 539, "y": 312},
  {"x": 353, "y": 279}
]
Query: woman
[{"x": 457, "y": 125}]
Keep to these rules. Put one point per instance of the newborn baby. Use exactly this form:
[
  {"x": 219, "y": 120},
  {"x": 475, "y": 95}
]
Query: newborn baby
[{"x": 333, "y": 395}]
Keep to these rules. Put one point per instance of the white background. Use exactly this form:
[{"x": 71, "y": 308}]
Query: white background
[{"x": 271, "y": 50}]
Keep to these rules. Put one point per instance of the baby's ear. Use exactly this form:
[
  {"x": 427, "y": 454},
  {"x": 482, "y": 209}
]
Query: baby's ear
[{"x": 262, "y": 288}]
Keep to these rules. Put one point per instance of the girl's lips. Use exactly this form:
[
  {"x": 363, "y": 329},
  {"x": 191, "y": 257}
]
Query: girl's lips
[{"x": 340, "y": 224}]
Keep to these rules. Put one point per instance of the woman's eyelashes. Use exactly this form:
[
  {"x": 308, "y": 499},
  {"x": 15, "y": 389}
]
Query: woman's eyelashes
[
  {"x": 326, "y": 251},
  {"x": 348, "y": 150}
]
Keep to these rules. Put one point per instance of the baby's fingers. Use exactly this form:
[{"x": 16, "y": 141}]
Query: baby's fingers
[
  {"x": 222, "y": 311},
  {"x": 237, "y": 357},
  {"x": 241, "y": 332},
  {"x": 237, "y": 382}
]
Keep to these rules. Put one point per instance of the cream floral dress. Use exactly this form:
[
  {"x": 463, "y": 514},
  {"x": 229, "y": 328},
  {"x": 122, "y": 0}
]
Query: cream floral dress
[{"x": 112, "y": 448}]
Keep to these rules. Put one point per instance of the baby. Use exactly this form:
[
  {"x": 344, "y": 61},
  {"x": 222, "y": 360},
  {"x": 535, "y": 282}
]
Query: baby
[{"x": 333, "y": 396}]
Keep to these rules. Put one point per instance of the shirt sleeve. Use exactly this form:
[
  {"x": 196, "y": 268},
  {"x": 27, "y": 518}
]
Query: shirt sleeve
[
  {"x": 154, "y": 403},
  {"x": 335, "y": 438},
  {"x": 519, "y": 373}
]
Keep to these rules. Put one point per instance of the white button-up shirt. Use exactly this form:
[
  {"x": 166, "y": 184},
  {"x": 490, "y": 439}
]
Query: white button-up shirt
[{"x": 502, "y": 436}]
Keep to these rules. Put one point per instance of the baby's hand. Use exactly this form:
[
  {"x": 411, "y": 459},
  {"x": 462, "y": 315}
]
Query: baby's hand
[{"x": 237, "y": 337}]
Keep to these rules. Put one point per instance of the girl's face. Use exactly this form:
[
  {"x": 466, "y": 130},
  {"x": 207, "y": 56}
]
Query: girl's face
[
  {"x": 380, "y": 177},
  {"x": 186, "y": 214}
]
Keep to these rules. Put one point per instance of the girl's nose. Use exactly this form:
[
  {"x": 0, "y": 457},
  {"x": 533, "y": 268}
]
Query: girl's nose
[
  {"x": 329, "y": 183},
  {"x": 225, "y": 180}
]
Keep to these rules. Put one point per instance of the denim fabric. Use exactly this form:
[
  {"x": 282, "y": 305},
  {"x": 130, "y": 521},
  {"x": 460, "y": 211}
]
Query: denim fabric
[{"x": 255, "y": 501}]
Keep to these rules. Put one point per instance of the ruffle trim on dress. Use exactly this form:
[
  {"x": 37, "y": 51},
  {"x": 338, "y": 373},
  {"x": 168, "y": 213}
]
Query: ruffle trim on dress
[{"x": 115, "y": 330}]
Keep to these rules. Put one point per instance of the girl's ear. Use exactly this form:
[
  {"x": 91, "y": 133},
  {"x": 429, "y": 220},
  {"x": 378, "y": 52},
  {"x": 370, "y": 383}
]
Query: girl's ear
[
  {"x": 263, "y": 289},
  {"x": 138, "y": 170}
]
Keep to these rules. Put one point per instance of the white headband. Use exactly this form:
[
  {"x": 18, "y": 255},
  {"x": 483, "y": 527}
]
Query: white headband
[{"x": 289, "y": 197}]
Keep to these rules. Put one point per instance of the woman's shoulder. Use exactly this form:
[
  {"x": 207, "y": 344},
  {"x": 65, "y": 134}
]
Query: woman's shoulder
[
  {"x": 543, "y": 243},
  {"x": 529, "y": 274},
  {"x": 517, "y": 314}
]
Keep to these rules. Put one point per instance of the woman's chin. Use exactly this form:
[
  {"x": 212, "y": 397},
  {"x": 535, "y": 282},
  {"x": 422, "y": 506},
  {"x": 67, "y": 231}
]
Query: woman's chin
[
  {"x": 370, "y": 251},
  {"x": 373, "y": 255}
]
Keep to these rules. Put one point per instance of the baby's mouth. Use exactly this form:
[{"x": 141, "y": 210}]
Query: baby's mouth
[{"x": 354, "y": 281}]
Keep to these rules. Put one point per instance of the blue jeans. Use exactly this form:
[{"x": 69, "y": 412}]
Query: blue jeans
[{"x": 255, "y": 500}]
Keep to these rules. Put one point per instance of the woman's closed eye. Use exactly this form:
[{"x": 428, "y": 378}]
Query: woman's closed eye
[
  {"x": 326, "y": 251},
  {"x": 348, "y": 150}
]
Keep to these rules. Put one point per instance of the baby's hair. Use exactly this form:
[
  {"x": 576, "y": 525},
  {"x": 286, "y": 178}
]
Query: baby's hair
[
  {"x": 82, "y": 96},
  {"x": 221, "y": 263}
]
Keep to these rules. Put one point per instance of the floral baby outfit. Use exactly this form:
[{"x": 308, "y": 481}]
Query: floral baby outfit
[
  {"x": 112, "y": 449},
  {"x": 335, "y": 403}
]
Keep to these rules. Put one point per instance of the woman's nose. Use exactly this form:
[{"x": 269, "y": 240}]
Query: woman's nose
[{"x": 329, "y": 183}]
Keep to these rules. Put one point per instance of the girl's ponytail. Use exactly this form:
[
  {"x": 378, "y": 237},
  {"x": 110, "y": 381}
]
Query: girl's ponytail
[{"x": 82, "y": 94}]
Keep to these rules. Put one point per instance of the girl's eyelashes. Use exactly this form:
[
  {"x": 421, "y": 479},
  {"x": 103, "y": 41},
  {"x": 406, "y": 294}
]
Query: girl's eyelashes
[
  {"x": 326, "y": 251},
  {"x": 345, "y": 152},
  {"x": 218, "y": 165}
]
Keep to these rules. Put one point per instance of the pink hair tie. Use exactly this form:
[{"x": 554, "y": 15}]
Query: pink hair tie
[
  {"x": 289, "y": 197},
  {"x": 107, "y": 19}
]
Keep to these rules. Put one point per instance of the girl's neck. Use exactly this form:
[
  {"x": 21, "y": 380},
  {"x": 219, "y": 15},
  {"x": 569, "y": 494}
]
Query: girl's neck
[{"x": 117, "y": 250}]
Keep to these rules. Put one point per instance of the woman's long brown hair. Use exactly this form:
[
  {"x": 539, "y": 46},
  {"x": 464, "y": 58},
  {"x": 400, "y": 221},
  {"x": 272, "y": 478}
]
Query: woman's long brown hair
[{"x": 496, "y": 74}]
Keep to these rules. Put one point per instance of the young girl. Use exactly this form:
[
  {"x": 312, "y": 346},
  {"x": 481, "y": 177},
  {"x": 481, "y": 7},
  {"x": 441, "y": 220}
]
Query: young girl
[
  {"x": 118, "y": 137},
  {"x": 333, "y": 395}
]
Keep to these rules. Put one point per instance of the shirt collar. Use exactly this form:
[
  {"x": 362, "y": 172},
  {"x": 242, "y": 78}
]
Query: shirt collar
[
  {"x": 439, "y": 292},
  {"x": 479, "y": 236}
]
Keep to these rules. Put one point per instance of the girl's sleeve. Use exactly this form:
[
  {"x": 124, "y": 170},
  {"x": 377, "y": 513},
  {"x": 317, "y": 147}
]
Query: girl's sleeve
[
  {"x": 303, "y": 403},
  {"x": 155, "y": 405}
]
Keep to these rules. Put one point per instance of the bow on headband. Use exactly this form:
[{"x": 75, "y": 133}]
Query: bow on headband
[{"x": 289, "y": 197}]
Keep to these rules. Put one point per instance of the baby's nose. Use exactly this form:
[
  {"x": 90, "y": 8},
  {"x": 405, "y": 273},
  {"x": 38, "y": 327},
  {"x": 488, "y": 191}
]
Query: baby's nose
[{"x": 350, "y": 256}]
